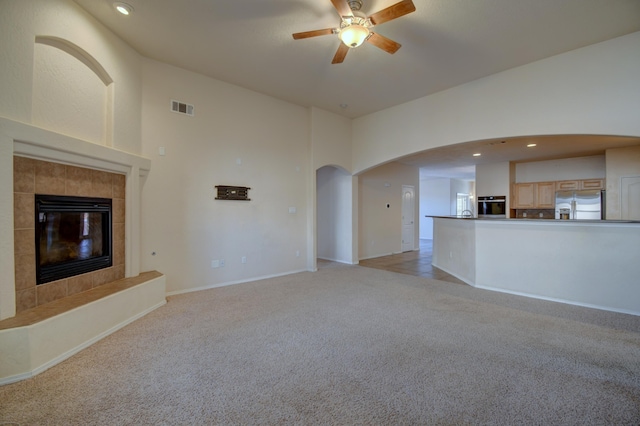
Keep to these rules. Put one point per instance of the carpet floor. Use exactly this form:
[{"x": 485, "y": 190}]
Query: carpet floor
[{"x": 346, "y": 345}]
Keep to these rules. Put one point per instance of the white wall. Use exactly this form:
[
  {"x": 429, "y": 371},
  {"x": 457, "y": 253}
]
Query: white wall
[
  {"x": 591, "y": 167},
  {"x": 493, "y": 179},
  {"x": 435, "y": 195},
  {"x": 592, "y": 90},
  {"x": 331, "y": 146},
  {"x": 236, "y": 137},
  {"x": 380, "y": 228},
  {"x": 334, "y": 214},
  {"x": 29, "y": 70},
  {"x": 330, "y": 140}
]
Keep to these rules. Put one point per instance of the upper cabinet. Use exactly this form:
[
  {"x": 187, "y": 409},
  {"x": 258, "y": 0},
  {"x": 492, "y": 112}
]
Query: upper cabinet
[
  {"x": 542, "y": 195},
  {"x": 546, "y": 195},
  {"x": 524, "y": 195},
  {"x": 534, "y": 195},
  {"x": 567, "y": 185},
  {"x": 592, "y": 184}
]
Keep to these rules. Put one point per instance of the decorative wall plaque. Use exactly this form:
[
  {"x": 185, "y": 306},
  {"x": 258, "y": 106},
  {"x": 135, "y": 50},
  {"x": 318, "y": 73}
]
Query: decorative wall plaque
[{"x": 238, "y": 193}]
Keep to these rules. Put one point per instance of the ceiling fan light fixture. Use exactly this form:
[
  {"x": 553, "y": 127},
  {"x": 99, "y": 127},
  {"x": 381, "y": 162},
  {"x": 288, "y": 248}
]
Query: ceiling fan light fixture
[
  {"x": 354, "y": 35},
  {"x": 354, "y": 31}
]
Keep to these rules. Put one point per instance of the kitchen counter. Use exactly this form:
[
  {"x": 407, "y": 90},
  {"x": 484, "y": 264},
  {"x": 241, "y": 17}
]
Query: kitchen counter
[
  {"x": 534, "y": 219},
  {"x": 591, "y": 263}
]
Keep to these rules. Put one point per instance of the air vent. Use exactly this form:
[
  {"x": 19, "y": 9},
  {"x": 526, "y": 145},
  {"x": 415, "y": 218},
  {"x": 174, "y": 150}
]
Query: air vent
[{"x": 181, "y": 108}]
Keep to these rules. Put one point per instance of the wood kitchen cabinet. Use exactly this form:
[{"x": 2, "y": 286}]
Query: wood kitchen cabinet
[
  {"x": 524, "y": 195},
  {"x": 542, "y": 195},
  {"x": 534, "y": 195},
  {"x": 592, "y": 184},
  {"x": 545, "y": 195},
  {"x": 564, "y": 185}
]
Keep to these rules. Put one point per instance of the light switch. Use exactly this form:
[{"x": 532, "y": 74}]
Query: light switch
[
  {"x": 292, "y": 209},
  {"x": 161, "y": 150}
]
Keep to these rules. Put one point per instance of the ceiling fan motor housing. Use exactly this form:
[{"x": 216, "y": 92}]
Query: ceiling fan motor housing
[{"x": 355, "y": 4}]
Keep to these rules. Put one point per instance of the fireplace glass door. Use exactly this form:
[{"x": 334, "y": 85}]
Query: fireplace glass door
[{"x": 73, "y": 236}]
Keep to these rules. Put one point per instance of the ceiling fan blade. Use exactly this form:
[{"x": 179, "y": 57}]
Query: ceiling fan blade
[
  {"x": 342, "y": 7},
  {"x": 315, "y": 33},
  {"x": 384, "y": 43},
  {"x": 340, "y": 54},
  {"x": 392, "y": 12}
]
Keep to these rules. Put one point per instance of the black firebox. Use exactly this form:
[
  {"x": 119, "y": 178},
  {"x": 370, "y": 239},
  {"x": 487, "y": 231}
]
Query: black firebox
[{"x": 73, "y": 236}]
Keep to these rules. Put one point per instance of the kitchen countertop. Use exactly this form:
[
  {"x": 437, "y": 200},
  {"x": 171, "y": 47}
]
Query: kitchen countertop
[{"x": 514, "y": 219}]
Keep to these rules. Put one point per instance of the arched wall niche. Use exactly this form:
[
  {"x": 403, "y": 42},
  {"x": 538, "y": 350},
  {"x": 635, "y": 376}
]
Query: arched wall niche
[{"x": 72, "y": 92}]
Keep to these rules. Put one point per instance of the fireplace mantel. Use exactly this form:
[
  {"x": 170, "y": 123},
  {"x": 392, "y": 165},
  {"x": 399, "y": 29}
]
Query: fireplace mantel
[
  {"x": 28, "y": 349},
  {"x": 29, "y": 141}
]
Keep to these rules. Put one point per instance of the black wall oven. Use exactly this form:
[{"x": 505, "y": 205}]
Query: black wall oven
[{"x": 492, "y": 206}]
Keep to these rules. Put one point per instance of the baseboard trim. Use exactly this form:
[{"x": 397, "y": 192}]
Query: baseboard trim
[
  {"x": 228, "y": 283},
  {"x": 344, "y": 262},
  {"x": 558, "y": 300},
  {"x": 461, "y": 278}
]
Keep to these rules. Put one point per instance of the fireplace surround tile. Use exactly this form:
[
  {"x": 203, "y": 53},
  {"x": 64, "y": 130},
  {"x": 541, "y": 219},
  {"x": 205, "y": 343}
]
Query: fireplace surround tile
[
  {"x": 118, "y": 210},
  {"x": 78, "y": 181},
  {"x": 118, "y": 272},
  {"x": 79, "y": 283},
  {"x": 25, "y": 299},
  {"x": 103, "y": 276},
  {"x": 24, "y": 241},
  {"x": 43, "y": 177},
  {"x": 51, "y": 291},
  {"x": 50, "y": 178},
  {"x": 118, "y": 233},
  {"x": 119, "y": 184},
  {"x": 118, "y": 253},
  {"x": 25, "y": 271},
  {"x": 101, "y": 184},
  {"x": 23, "y": 174},
  {"x": 24, "y": 206}
]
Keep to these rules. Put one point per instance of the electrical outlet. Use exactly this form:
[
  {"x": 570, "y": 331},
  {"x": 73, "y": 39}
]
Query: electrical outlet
[
  {"x": 297, "y": 253},
  {"x": 244, "y": 259}
]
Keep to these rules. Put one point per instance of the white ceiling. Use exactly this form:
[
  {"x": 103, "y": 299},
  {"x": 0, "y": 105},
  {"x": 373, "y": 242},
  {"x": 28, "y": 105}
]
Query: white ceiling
[{"x": 445, "y": 43}]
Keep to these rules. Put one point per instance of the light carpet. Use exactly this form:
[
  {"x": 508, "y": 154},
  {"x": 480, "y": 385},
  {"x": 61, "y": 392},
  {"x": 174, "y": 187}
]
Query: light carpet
[{"x": 347, "y": 345}]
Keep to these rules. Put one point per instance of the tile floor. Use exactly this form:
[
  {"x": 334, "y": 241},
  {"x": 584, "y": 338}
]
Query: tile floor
[{"x": 416, "y": 263}]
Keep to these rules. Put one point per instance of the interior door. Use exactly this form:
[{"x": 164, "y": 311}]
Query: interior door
[
  {"x": 408, "y": 218},
  {"x": 630, "y": 194}
]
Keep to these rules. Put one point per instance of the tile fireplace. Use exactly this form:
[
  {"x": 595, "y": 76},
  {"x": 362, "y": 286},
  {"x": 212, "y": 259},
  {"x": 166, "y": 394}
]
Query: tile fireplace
[{"x": 42, "y": 276}]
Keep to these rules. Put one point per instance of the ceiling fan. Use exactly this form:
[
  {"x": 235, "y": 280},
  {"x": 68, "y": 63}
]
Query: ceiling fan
[{"x": 355, "y": 26}]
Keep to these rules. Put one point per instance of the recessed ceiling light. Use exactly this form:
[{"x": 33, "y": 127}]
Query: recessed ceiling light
[
  {"x": 123, "y": 8},
  {"x": 531, "y": 145},
  {"x": 477, "y": 154}
]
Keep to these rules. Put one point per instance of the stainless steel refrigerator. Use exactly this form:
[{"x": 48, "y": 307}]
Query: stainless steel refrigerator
[{"x": 580, "y": 205}]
